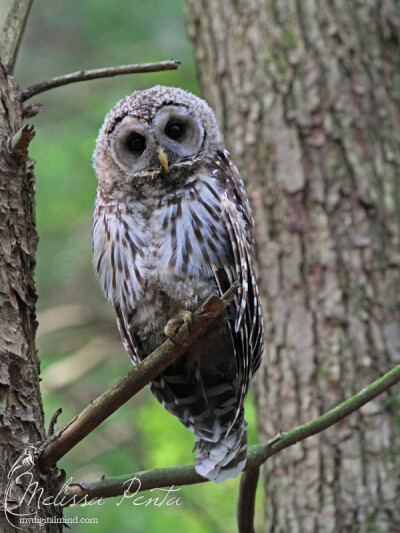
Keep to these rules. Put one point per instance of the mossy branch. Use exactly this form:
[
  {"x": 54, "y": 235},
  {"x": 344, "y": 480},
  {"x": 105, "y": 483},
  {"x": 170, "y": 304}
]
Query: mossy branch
[
  {"x": 186, "y": 475},
  {"x": 122, "y": 391}
]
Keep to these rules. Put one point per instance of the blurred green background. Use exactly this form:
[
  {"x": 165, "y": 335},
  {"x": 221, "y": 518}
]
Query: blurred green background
[{"x": 79, "y": 346}]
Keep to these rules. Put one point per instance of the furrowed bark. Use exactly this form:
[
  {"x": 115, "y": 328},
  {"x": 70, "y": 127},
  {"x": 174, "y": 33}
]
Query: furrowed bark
[
  {"x": 309, "y": 101},
  {"x": 21, "y": 414}
]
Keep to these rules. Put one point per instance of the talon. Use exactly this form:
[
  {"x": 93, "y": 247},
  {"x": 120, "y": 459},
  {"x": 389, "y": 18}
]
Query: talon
[
  {"x": 172, "y": 326},
  {"x": 171, "y": 338},
  {"x": 187, "y": 319},
  {"x": 170, "y": 330}
]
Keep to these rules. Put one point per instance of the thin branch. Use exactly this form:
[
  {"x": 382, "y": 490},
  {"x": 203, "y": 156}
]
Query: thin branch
[
  {"x": 247, "y": 500},
  {"x": 187, "y": 475},
  {"x": 122, "y": 391},
  {"x": 261, "y": 453},
  {"x": 53, "y": 421},
  {"x": 85, "y": 75},
  {"x": 12, "y": 31}
]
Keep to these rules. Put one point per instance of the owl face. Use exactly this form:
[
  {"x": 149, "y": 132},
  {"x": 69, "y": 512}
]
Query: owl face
[
  {"x": 174, "y": 136},
  {"x": 163, "y": 133}
]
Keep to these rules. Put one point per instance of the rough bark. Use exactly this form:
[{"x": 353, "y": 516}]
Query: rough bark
[
  {"x": 308, "y": 97},
  {"x": 21, "y": 413}
]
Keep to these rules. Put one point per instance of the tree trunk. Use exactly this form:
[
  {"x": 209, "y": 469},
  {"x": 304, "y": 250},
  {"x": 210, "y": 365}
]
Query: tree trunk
[
  {"x": 21, "y": 413},
  {"x": 309, "y": 100}
]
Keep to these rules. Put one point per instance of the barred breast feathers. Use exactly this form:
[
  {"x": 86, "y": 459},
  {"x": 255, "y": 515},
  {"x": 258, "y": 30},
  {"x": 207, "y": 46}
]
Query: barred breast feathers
[
  {"x": 140, "y": 242},
  {"x": 202, "y": 230}
]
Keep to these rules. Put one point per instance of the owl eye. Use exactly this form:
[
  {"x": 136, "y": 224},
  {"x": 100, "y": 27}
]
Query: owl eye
[
  {"x": 136, "y": 143},
  {"x": 174, "y": 130}
]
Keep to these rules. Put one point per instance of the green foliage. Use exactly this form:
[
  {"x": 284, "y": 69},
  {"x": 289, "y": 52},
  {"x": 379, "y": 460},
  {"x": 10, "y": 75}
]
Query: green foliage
[{"x": 64, "y": 37}]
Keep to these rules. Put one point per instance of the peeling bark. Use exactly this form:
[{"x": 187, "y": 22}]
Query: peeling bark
[
  {"x": 21, "y": 413},
  {"x": 309, "y": 100}
]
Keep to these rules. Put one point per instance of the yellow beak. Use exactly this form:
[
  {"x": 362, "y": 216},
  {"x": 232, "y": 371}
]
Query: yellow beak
[{"x": 162, "y": 156}]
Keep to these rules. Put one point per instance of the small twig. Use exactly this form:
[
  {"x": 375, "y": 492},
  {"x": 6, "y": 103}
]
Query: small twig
[
  {"x": 53, "y": 421},
  {"x": 247, "y": 500},
  {"x": 187, "y": 475},
  {"x": 12, "y": 31},
  {"x": 106, "y": 404},
  {"x": 31, "y": 110},
  {"x": 85, "y": 75}
]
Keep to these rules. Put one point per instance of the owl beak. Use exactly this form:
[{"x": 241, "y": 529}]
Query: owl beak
[{"x": 162, "y": 156}]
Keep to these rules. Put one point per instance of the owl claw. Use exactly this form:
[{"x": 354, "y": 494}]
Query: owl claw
[
  {"x": 187, "y": 319},
  {"x": 172, "y": 326},
  {"x": 171, "y": 338}
]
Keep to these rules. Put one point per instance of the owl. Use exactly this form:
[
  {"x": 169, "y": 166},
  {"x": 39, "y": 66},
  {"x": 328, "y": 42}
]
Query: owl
[{"x": 172, "y": 224}]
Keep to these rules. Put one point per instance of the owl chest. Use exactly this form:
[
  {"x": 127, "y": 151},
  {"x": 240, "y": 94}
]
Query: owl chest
[{"x": 147, "y": 253}]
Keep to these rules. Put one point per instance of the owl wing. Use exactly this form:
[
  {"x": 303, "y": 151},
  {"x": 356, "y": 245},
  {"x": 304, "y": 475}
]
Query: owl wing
[
  {"x": 127, "y": 335},
  {"x": 105, "y": 257},
  {"x": 246, "y": 322}
]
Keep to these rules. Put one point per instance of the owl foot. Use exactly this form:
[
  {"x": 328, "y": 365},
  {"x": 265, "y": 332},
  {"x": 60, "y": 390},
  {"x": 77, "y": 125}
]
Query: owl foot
[{"x": 172, "y": 326}]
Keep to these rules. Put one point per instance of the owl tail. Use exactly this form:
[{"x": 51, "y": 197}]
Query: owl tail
[{"x": 226, "y": 458}]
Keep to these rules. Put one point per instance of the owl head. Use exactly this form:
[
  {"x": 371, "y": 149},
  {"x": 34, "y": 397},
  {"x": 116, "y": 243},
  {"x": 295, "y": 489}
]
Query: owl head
[{"x": 159, "y": 136}]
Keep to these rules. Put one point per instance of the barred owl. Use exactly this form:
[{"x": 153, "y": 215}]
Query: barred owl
[{"x": 172, "y": 224}]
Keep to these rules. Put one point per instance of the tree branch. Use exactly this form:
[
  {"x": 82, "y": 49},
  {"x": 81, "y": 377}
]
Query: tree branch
[
  {"x": 187, "y": 475},
  {"x": 140, "y": 375},
  {"x": 12, "y": 31},
  {"x": 85, "y": 75},
  {"x": 247, "y": 500}
]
